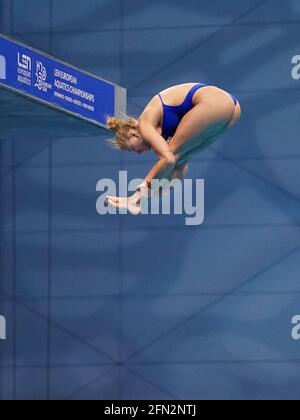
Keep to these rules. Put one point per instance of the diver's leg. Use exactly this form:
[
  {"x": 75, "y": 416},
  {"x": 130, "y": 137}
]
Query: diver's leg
[
  {"x": 205, "y": 140},
  {"x": 180, "y": 171},
  {"x": 203, "y": 145},
  {"x": 204, "y": 120}
]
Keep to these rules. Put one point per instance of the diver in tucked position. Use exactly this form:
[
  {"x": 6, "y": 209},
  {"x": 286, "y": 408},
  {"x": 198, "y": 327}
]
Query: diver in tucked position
[{"x": 176, "y": 124}]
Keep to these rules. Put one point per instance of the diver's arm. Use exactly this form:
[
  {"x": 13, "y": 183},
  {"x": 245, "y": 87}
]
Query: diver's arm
[
  {"x": 161, "y": 170},
  {"x": 167, "y": 161}
]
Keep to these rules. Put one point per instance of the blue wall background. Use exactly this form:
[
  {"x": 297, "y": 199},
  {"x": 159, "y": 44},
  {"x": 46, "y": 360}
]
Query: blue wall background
[{"x": 146, "y": 308}]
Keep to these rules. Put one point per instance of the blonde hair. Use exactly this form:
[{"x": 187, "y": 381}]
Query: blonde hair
[{"x": 121, "y": 129}]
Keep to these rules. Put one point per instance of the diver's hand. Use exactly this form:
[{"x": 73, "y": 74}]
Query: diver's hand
[
  {"x": 134, "y": 203},
  {"x": 143, "y": 190}
]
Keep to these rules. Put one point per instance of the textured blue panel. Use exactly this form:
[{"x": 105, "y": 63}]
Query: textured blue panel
[
  {"x": 32, "y": 251},
  {"x": 275, "y": 11},
  {"x": 23, "y": 21},
  {"x": 89, "y": 275},
  {"x": 6, "y": 183},
  {"x": 76, "y": 185},
  {"x": 232, "y": 381},
  {"x": 180, "y": 13},
  {"x": 6, "y": 383},
  {"x": 85, "y": 383},
  {"x": 32, "y": 198},
  {"x": 195, "y": 312},
  {"x": 6, "y": 17},
  {"x": 98, "y": 339},
  {"x": 31, "y": 334},
  {"x": 38, "y": 384},
  {"x": 233, "y": 327},
  {"x": 88, "y": 15},
  {"x": 91, "y": 151},
  {"x": 98, "y": 53}
]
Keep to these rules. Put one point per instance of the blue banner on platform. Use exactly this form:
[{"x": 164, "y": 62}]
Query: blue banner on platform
[{"x": 60, "y": 85}]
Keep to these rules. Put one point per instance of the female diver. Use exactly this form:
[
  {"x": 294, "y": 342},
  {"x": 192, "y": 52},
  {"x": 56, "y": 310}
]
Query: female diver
[{"x": 176, "y": 124}]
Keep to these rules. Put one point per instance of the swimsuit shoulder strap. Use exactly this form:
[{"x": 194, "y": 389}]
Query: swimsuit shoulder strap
[{"x": 161, "y": 99}]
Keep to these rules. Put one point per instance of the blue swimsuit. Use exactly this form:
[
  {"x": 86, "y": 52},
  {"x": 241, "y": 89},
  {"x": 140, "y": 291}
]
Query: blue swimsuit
[{"x": 173, "y": 114}]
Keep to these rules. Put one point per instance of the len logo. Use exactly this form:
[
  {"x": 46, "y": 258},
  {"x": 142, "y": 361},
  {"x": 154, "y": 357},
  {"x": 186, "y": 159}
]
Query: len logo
[{"x": 24, "y": 62}]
